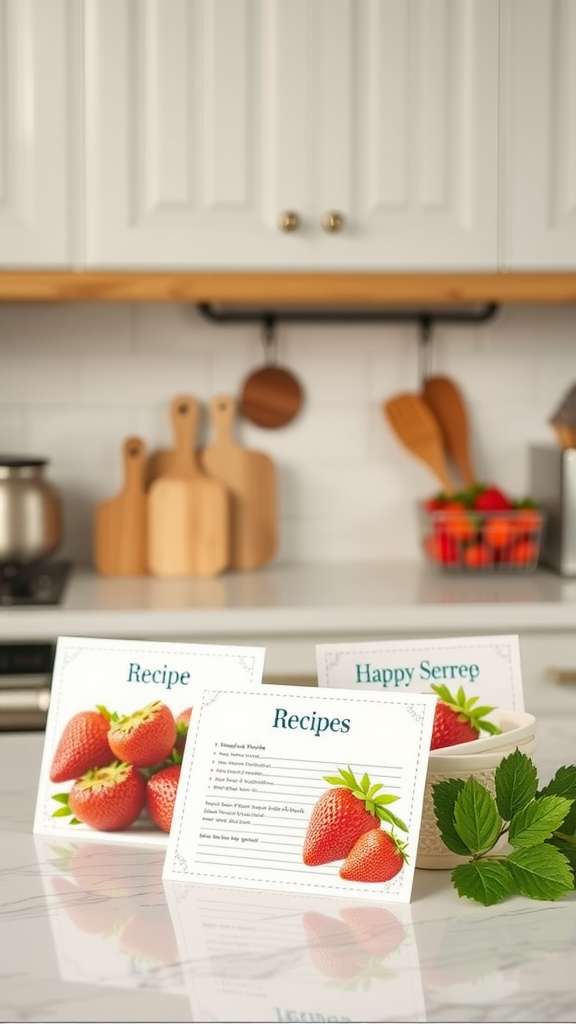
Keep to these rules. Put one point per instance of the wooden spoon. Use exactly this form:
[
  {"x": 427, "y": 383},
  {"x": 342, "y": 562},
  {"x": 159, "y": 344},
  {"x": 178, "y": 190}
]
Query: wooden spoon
[
  {"x": 417, "y": 429},
  {"x": 445, "y": 400}
]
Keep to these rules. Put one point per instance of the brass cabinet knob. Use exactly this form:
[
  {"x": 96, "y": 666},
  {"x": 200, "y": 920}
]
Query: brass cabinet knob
[
  {"x": 288, "y": 220},
  {"x": 332, "y": 221}
]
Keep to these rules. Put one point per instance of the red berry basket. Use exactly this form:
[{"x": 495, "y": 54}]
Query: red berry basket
[{"x": 473, "y": 540}]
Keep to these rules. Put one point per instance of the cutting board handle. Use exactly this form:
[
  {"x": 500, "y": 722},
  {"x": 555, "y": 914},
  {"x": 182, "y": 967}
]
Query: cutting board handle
[
  {"x": 134, "y": 454},
  {"x": 185, "y": 413},
  {"x": 223, "y": 411}
]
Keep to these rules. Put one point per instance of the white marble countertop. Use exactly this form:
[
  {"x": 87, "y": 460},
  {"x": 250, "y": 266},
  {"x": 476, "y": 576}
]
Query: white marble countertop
[
  {"x": 89, "y": 932},
  {"x": 311, "y": 600}
]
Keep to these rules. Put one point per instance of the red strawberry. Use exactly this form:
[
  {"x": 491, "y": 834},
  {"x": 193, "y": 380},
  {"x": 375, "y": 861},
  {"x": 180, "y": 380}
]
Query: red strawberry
[
  {"x": 107, "y": 799},
  {"x": 332, "y": 948},
  {"x": 341, "y": 815},
  {"x": 456, "y": 720},
  {"x": 182, "y": 724},
  {"x": 82, "y": 745},
  {"x": 492, "y": 499},
  {"x": 377, "y": 856},
  {"x": 145, "y": 737},
  {"x": 161, "y": 794}
]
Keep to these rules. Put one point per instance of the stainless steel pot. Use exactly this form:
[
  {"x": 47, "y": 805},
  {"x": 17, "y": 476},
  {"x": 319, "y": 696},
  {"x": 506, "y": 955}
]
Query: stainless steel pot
[{"x": 30, "y": 511}]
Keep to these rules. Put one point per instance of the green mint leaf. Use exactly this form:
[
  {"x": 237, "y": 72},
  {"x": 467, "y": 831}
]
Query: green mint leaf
[
  {"x": 537, "y": 821},
  {"x": 486, "y": 881},
  {"x": 444, "y": 795},
  {"x": 476, "y": 817},
  {"x": 516, "y": 781},
  {"x": 563, "y": 783},
  {"x": 540, "y": 872},
  {"x": 566, "y": 847}
]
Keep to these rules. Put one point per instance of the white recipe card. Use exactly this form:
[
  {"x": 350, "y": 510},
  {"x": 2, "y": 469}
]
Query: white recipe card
[
  {"x": 487, "y": 667},
  {"x": 153, "y": 687},
  {"x": 313, "y": 791}
]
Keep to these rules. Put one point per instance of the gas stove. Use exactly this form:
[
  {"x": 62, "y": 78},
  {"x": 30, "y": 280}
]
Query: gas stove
[{"x": 40, "y": 584}]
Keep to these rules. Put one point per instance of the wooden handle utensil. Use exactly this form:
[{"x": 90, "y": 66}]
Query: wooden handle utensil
[{"x": 418, "y": 431}]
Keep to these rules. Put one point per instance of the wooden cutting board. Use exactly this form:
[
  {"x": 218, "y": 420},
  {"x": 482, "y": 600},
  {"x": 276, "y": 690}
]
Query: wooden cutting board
[
  {"x": 250, "y": 479},
  {"x": 120, "y": 528},
  {"x": 188, "y": 512}
]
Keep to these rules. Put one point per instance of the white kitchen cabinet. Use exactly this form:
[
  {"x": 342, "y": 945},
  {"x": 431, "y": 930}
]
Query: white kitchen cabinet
[
  {"x": 37, "y": 61},
  {"x": 538, "y": 99},
  {"x": 371, "y": 126}
]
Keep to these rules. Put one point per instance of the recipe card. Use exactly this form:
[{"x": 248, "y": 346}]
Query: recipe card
[
  {"x": 119, "y": 715},
  {"x": 487, "y": 667},
  {"x": 316, "y": 792}
]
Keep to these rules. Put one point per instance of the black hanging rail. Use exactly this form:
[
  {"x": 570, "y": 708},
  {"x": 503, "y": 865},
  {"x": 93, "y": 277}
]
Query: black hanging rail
[{"x": 425, "y": 318}]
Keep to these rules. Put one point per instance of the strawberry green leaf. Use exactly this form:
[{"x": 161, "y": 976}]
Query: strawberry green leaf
[
  {"x": 365, "y": 783},
  {"x": 62, "y": 812},
  {"x": 61, "y": 798},
  {"x": 444, "y": 795},
  {"x": 476, "y": 817},
  {"x": 515, "y": 781},
  {"x": 486, "y": 881},
  {"x": 334, "y": 780},
  {"x": 393, "y": 819},
  {"x": 538, "y": 820},
  {"x": 540, "y": 872},
  {"x": 110, "y": 715}
]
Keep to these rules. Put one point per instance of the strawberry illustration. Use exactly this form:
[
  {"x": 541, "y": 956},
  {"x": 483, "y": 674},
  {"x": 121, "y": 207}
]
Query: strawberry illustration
[
  {"x": 182, "y": 725},
  {"x": 457, "y": 720},
  {"x": 377, "y": 856},
  {"x": 108, "y": 799},
  {"x": 161, "y": 794},
  {"x": 342, "y": 814},
  {"x": 82, "y": 745},
  {"x": 145, "y": 737}
]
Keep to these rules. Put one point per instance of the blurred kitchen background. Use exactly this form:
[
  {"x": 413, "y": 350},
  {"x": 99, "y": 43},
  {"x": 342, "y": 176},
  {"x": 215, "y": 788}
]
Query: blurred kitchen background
[{"x": 77, "y": 379}]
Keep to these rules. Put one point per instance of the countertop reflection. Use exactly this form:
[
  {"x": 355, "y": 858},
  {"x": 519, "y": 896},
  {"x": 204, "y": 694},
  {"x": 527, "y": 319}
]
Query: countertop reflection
[{"x": 89, "y": 932}]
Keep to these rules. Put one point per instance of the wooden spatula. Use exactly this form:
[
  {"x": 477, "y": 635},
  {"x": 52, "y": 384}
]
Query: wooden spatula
[
  {"x": 250, "y": 478},
  {"x": 120, "y": 528},
  {"x": 189, "y": 523},
  {"x": 417, "y": 429},
  {"x": 445, "y": 400}
]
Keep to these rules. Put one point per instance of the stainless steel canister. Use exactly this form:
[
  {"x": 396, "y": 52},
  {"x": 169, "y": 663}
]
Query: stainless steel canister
[{"x": 30, "y": 511}]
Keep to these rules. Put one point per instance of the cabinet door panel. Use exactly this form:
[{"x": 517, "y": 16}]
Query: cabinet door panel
[
  {"x": 206, "y": 119},
  {"x": 426, "y": 190},
  {"x": 539, "y": 200},
  {"x": 35, "y": 36}
]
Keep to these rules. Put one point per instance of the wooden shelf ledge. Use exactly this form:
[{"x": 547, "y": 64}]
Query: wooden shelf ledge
[{"x": 334, "y": 289}]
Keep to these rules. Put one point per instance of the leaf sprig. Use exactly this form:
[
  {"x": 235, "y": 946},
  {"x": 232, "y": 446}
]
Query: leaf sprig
[{"x": 539, "y": 826}]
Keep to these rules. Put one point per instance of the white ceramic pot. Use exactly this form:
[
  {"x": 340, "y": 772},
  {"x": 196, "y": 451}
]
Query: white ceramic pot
[{"x": 478, "y": 759}]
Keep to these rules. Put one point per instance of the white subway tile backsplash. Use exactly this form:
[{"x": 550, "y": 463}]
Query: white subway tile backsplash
[{"x": 75, "y": 380}]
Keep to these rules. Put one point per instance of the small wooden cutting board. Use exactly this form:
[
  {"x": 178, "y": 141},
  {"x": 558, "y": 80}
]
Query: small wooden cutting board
[
  {"x": 120, "y": 530},
  {"x": 250, "y": 478},
  {"x": 188, "y": 512}
]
